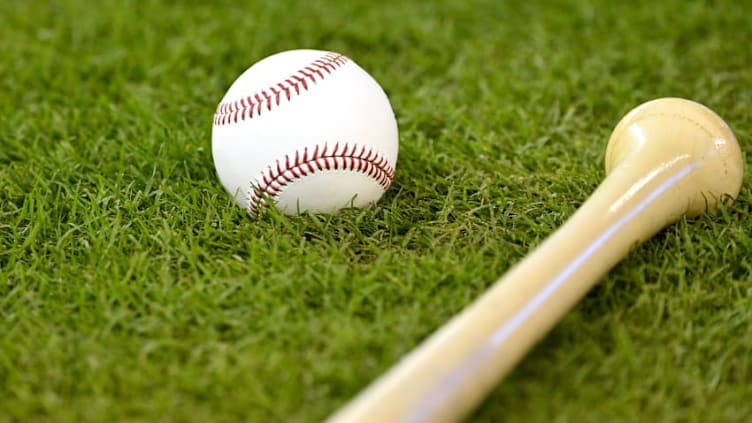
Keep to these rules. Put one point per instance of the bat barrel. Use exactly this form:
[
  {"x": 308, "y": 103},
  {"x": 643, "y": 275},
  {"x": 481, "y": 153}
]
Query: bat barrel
[{"x": 660, "y": 168}]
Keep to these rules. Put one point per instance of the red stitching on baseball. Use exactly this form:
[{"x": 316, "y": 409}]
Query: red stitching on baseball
[
  {"x": 289, "y": 169},
  {"x": 250, "y": 106}
]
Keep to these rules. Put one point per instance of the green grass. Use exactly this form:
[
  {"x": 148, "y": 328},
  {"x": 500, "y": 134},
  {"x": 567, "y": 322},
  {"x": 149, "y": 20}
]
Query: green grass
[{"x": 132, "y": 289}]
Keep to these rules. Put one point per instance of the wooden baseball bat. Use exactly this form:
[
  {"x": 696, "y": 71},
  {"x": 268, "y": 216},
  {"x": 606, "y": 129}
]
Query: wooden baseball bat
[{"x": 667, "y": 158}]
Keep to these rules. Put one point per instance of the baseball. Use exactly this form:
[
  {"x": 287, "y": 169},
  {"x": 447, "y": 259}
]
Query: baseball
[{"x": 307, "y": 130}]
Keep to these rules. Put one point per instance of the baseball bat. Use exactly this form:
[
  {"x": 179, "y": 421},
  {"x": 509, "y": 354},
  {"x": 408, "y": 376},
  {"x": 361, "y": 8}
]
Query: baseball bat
[{"x": 666, "y": 158}]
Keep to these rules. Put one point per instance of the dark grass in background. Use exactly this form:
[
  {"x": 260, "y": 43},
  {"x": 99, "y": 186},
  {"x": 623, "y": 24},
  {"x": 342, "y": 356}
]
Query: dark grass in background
[{"x": 131, "y": 288}]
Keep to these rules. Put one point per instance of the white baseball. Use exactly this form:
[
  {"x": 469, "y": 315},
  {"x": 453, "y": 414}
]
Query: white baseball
[{"x": 309, "y": 130}]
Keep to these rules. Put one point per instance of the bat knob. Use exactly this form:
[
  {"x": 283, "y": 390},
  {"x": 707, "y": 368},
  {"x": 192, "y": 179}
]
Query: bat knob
[{"x": 668, "y": 132}]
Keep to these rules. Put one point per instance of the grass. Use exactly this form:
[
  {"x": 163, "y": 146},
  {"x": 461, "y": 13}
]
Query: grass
[{"x": 132, "y": 289}]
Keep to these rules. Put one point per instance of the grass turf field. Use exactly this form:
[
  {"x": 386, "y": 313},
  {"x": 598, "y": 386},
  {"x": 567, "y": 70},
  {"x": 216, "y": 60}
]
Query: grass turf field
[{"x": 131, "y": 287}]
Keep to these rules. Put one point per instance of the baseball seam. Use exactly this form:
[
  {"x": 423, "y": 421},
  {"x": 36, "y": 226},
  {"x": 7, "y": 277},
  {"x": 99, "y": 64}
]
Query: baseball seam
[
  {"x": 348, "y": 157},
  {"x": 252, "y": 105}
]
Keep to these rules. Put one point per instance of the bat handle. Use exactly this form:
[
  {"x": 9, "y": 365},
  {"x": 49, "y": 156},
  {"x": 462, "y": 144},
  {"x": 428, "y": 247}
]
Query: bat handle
[{"x": 653, "y": 184}]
